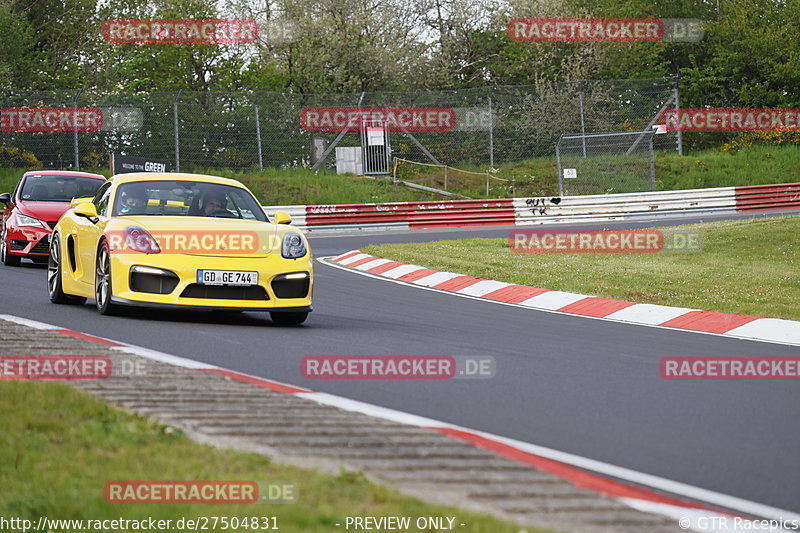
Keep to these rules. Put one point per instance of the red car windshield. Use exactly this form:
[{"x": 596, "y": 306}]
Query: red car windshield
[{"x": 53, "y": 188}]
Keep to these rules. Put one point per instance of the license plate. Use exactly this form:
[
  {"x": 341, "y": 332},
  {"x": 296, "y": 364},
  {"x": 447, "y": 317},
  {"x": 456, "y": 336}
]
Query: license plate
[{"x": 227, "y": 277}]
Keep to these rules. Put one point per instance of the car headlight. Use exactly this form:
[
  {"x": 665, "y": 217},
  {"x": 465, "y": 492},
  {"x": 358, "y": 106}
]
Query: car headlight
[
  {"x": 30, "y": 222},
  {"x": 138, "y": 239},
  {"x": 293, "y": 246}
]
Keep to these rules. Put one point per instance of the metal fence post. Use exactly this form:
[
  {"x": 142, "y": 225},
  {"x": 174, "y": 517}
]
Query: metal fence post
[
  {"x": 258, "y": 140},
  {"x": 491, "y": 130},
  {"x": 177, "y": 137},
  {"x": 678, "y": 110},
  {"x": 583, "y": 124},
  {"x": 558, "y": 166},
  {"x": 652, "y": 166},
  {"x": 445, "y": 177},
  {"x": 75, "y": 131}
]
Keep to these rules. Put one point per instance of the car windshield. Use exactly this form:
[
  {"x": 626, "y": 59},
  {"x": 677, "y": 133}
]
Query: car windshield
[
  {"x": 51, "y": 188},
  {"x": 186, "y": 198}
]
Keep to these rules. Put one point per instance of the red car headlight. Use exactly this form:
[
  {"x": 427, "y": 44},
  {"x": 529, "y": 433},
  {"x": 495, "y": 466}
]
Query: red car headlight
[{"x": 24, "y": 221}]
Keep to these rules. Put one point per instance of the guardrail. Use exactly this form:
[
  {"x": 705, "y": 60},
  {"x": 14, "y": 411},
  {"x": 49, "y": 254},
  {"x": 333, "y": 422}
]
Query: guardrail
[{"x": 541, "y": 210}]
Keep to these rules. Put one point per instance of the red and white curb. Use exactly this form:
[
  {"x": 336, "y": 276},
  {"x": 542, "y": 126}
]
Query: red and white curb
[
  {"x": 730, "y": 325},
  {"x": 644, "y": 492}
]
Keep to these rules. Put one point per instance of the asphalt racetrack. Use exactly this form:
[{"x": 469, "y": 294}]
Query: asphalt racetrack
[{"x": 579, "y": 385}]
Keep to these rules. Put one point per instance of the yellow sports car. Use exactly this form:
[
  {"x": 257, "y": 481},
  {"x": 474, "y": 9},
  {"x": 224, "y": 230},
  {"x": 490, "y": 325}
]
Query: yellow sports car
[{"x": 183, "y": 241}]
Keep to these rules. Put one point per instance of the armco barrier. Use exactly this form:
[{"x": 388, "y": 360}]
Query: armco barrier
[{"x": 540, "y": 210}]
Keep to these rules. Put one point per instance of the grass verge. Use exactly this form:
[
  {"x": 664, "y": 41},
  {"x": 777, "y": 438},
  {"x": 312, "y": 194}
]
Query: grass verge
[
  {"x": 59, "y": 446},
  {"x": 750, "y": 267}
]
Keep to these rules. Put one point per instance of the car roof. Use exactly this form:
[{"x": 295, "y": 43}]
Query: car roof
[
  {"x": 172, "y": 176},
  {"x": 63, "y": 173}
]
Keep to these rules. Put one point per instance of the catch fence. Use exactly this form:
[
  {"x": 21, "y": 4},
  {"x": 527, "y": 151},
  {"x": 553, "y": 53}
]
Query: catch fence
[{"x": 483, "y": 127}]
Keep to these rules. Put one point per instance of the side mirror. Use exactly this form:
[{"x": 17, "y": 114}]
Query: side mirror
[
  {"x": 282, "y": 218},
  {"x": 76, "y": 201},
  {"x": 5, "y": 198},
  {"x": 86, "y": 209}
]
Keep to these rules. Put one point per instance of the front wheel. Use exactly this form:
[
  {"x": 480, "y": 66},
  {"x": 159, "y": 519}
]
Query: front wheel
[
  {"x": 290, "y": 318},
  {"x": 5, "y": 257},
  {"x": 102, "y": 282},
  {"x": 54, "y": 287}
]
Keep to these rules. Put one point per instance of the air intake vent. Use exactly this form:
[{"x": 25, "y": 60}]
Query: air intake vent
[
  {"x": 290, "y": 288},
  {"x": 221, "y": 292},
  {"x": 153, "y": 283}
]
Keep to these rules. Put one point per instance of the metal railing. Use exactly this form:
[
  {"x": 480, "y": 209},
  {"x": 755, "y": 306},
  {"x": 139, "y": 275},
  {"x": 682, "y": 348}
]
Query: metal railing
[{"x": 445, "y": 168}]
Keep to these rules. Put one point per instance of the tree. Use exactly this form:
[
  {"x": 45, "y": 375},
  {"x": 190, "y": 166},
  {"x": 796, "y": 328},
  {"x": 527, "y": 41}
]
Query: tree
[{"x": 18, "y": 56}]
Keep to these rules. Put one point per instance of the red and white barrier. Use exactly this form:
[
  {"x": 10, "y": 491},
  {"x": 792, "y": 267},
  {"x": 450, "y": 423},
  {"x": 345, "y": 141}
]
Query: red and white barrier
[{"x": 542, "y": 210}]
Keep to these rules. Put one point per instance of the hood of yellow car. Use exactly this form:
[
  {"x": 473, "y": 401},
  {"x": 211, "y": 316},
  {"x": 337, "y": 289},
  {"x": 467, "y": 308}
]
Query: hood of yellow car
[{"x": 208, "y": 237}]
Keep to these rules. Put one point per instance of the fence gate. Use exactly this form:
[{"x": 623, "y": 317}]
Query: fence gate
[{"x": 376, "y": 148}]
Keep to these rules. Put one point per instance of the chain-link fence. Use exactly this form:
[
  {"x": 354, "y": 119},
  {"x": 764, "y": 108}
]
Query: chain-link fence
[
  {"x": 604, "y": 163},
  {"x": 483, "y": 127}
]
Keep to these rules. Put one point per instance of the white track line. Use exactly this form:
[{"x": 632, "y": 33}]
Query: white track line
[{"x": 26, "y": 322}]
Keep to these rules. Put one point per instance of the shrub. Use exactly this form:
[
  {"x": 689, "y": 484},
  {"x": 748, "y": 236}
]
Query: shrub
[
  {"x": 93, "y": 160},
  {"x": 11, "y": 157},
  {"x": 780, "y": 136}
]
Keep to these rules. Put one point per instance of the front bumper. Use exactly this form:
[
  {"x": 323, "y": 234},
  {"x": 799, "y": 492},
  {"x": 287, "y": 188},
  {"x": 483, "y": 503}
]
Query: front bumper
[
  {"x": 28, "y": 242},
  {"x": 187, "y": 293},
  {"x": 133, "y": 303}
]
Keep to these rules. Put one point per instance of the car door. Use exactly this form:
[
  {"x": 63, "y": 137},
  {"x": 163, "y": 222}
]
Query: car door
[{"x": 86, "y": 234}]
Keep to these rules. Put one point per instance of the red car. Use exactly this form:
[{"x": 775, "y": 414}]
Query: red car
[{"x": 32, "y": 210}]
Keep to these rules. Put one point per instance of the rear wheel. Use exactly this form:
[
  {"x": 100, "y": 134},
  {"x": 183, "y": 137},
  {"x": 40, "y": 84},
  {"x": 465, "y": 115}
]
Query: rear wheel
[
  {"x": 102, "y": 282},
  {"x": 5, "y": 257},
  {"x": 54, "y": 288},
  {"x": 289, "y": 319}
]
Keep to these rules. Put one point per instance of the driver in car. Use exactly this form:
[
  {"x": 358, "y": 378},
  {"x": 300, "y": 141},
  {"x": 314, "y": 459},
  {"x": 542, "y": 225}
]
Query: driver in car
[
  {"x": 133, "y": 202},
  {"x": 214, "y": 203}
]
